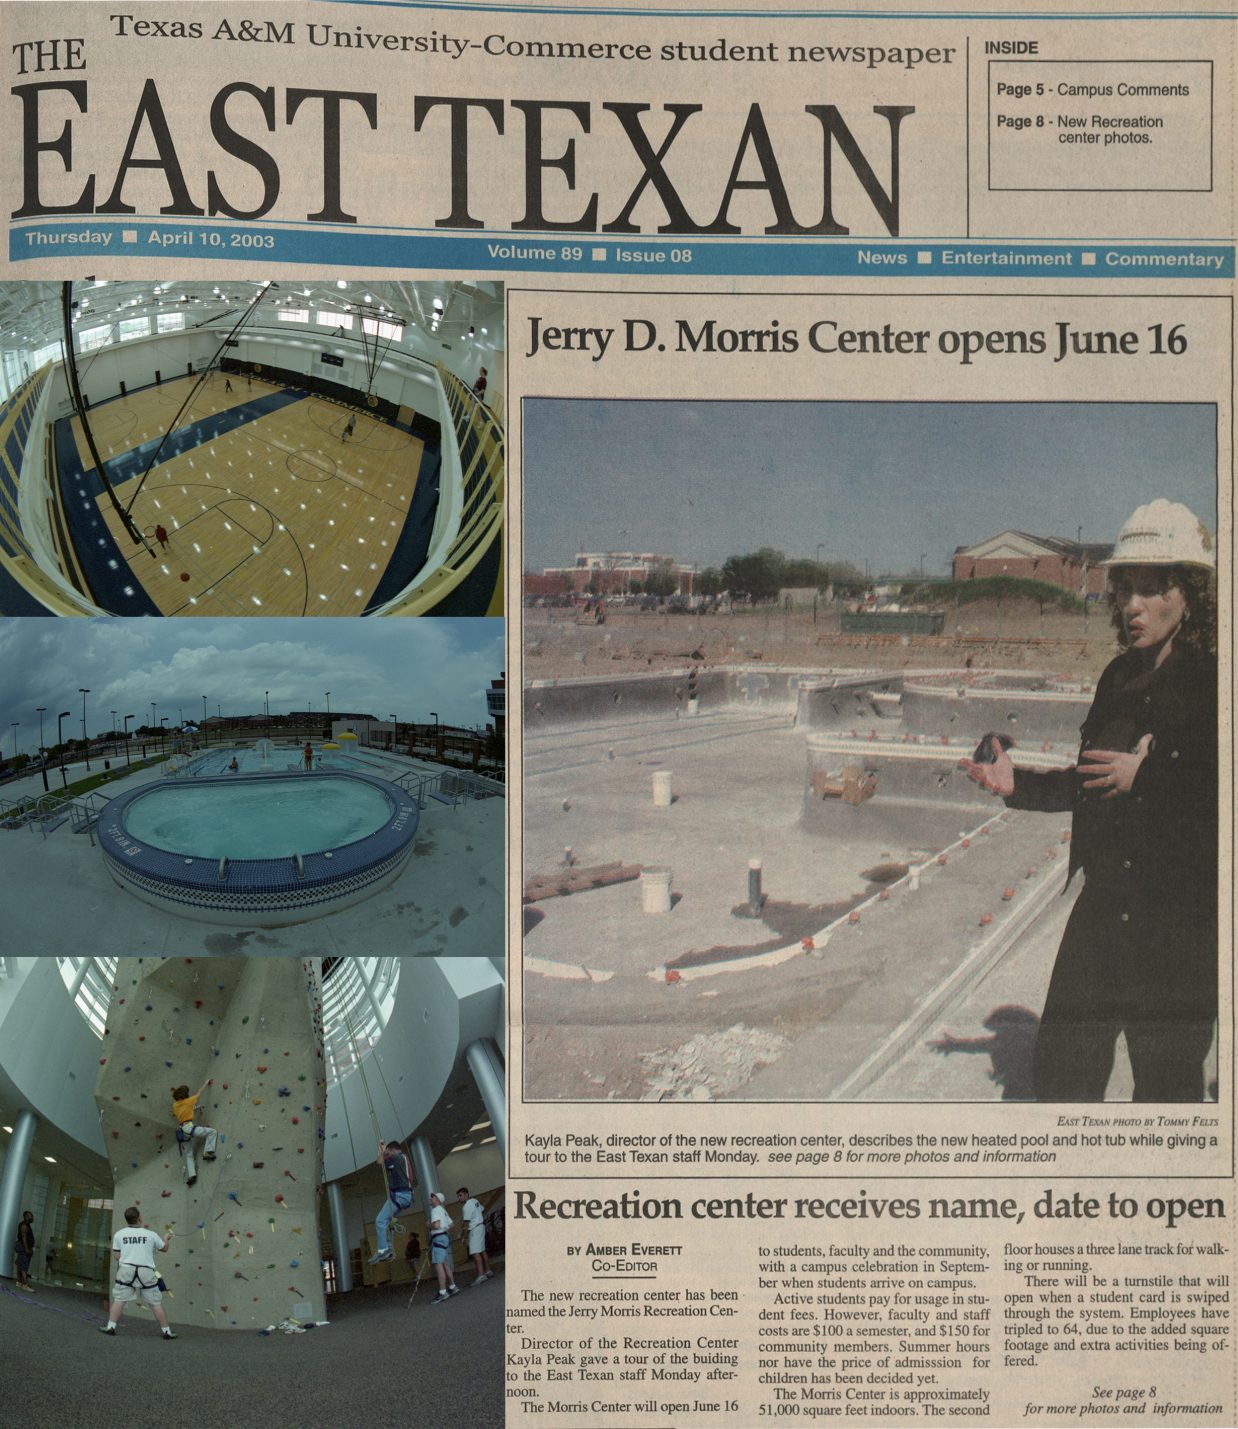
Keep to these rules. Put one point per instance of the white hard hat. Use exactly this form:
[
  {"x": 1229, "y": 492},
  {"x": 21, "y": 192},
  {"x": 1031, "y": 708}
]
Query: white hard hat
[{"x": 1163, "y": 533}]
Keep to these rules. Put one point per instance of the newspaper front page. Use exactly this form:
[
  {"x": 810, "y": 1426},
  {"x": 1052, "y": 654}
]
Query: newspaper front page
[{"x": 851, "y": 359}]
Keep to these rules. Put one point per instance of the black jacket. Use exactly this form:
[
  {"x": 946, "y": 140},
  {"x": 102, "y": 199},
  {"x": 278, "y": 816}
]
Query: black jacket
[{"x": 1156, "y": 847}]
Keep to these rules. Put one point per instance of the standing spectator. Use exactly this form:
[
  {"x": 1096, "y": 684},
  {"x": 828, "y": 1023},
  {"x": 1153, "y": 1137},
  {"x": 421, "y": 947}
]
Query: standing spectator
[
  {"x": 23, "y": 1249},
  {"x": 473, "y": 1230},
  {"x": 479, "y": 387},
  {"x": 399, "y": 1173},
  {"x": 136, "y": 1277},
  {"x": 49, "y": 1257},
  {"x": 440, "y": 1249}
]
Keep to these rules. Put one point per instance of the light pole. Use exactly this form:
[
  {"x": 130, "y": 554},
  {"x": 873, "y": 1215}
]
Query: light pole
[
  {"x": 85, "y": 736},
  {"x": 60, "y": 719},
  {"x": 266, "y": 705},
  {"x": 434, "y": 717},
  {"x": 41, "y": 710},
  {"x": 16, "y": 722},
  {"x": 922, "y": 555},
  {"x": 113, "y": 731},
  {"x": 205, "y": 735},
  {"x": 163, "y": 721},
  {"x": 127, "y": 719},
  {"x": 328, "y": 704}
]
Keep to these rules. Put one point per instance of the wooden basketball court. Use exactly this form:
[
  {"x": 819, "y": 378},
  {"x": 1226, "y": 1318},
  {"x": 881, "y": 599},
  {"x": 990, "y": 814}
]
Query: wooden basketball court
[{"x": 280, "y": 514}]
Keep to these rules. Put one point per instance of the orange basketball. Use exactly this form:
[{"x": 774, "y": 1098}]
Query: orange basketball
[{"x": 184, "y": 575}]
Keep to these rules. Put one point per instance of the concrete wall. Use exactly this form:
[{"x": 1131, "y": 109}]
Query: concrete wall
[
  {"x": 404, "y": 376},
  {"x": 847, "y": 701},
  {"x": 245, "y": 1246},
  {"x": 767, "y": 690},
  {"x": 968, "y": 712},
  {"x": 48, "y": 1054}
]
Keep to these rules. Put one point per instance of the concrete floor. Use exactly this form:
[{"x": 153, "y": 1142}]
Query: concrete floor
[
  {"x": 379, "y": 1362},
  {"x": 863, "y": 1015},
  {"x": 447, "y": 901}
]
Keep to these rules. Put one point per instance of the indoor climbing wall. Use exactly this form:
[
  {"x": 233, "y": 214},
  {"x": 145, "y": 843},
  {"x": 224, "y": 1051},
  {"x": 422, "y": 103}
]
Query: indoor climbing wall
[{"x": 244, "y": 1252}]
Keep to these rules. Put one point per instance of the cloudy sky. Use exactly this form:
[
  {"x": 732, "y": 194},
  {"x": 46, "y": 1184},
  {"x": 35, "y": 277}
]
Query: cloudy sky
[
  {"x": 885, "y": 482},
  {"x": 377, "y": 666}
]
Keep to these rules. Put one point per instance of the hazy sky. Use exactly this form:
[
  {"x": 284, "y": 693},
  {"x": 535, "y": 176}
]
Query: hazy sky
[
  {"x": 885, "y": 482},
  {"x": 381, "y": 666}
]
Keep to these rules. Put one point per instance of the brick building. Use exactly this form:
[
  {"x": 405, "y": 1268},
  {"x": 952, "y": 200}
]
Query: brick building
[{"x": 1070, "y": 565}]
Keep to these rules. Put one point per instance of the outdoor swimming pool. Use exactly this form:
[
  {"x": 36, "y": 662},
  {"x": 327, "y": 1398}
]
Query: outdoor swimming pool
[
  {"x": 268, "y": 819},
  {"x": 262, "y": 851}
]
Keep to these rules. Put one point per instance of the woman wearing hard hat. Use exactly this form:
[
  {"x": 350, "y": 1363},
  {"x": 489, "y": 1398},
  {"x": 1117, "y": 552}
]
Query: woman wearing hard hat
[{"x": 1139, "y": 954}]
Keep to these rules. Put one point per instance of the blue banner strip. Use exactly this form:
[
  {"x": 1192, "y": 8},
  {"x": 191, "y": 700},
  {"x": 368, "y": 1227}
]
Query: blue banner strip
[{"x": 332, "y": 248}]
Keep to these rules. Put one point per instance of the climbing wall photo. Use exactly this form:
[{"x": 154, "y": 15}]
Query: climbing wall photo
[{"x": 242, "y": 1223}]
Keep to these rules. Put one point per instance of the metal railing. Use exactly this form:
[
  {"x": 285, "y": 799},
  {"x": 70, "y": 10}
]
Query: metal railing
[
  {"x": 480, "y": 442},
  {"x": 84, "y": 814},
  {"x": 474, "y": 786},
  {"x": 451, "y": 786},
  {"x": 49, "y": 809}
]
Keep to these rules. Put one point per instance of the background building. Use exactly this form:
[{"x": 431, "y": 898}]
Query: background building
[
  {"x": 614, "y": 573},
  {"x": 1069, "y": 565}
]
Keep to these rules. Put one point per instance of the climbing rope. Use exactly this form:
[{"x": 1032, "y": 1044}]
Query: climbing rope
[{"x": 395, "y": 1226}]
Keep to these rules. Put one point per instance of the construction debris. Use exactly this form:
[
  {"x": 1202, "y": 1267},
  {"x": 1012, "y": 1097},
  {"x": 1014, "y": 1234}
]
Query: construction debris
[
  {"x": 578, "y": 880},
  {"x": 711, "y": 1065}
]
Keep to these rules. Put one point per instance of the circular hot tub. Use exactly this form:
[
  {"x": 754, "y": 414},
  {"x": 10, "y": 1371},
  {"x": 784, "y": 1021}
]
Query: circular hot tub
[{"x": 261, "y": 851}]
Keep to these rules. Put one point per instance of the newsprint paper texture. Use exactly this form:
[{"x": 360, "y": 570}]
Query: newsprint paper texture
[{"x": 828, "y": 333}]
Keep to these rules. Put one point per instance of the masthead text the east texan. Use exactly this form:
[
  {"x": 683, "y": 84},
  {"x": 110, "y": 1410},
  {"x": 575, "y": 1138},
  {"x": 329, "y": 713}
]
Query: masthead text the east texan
[{"x": 579, "y": 166}]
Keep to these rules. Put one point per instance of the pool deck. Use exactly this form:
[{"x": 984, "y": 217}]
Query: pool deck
[
  {"x": 922, "y": 990},
  {"x": 447, "y": 901}
]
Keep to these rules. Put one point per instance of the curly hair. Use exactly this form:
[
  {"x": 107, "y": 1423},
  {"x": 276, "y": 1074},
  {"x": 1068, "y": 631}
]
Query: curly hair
[{"x": 1198, "y": 632}]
